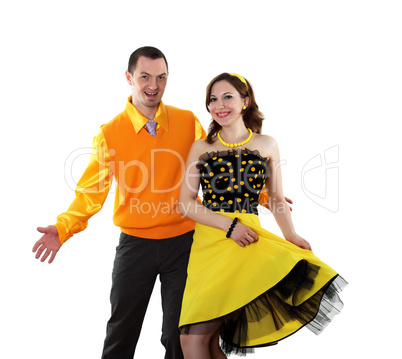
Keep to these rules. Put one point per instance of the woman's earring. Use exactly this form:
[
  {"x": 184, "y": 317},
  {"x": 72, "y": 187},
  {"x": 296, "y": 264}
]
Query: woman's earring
[{"x": 244, "y": 107}]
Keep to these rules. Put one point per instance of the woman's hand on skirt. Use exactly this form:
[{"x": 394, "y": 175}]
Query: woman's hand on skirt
[
  {"x": 243, "y": 235},
  {"x": 300, "y": 242}
]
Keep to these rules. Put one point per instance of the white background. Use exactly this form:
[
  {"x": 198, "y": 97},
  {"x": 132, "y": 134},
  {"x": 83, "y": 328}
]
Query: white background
[{"x": 325, "y": 74}]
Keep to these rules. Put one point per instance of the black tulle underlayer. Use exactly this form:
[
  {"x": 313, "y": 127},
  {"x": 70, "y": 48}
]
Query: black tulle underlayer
[{"x": 314, "y": 313}]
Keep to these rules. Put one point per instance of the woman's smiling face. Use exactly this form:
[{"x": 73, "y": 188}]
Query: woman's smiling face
[{"x": 226, "y": 104}]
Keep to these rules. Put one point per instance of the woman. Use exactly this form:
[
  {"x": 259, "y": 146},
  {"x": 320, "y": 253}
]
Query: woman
[{"x": 244, "y": 283}]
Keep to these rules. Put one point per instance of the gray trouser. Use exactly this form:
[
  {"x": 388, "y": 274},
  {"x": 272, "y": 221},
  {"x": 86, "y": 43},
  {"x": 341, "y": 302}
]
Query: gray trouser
[{"x": 138, "y": 262}]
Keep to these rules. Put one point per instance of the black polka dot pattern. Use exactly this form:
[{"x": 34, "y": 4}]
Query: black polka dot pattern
[{"x": 232, "y": 180}]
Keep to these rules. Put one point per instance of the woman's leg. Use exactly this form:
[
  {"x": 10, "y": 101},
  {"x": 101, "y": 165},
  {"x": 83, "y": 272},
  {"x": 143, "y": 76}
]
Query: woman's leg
[
  {"x": 195, "y": 346},
  {"x": 214, "y": 347},
  {"x": 196, "y": 340}
]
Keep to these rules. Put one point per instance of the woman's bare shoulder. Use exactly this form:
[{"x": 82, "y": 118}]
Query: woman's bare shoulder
[
  {"x": 265, "y": 143},
  {"x": 200, "y": 147}
]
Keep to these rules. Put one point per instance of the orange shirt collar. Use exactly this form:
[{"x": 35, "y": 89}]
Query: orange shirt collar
[{"x": 139, "y": 120}]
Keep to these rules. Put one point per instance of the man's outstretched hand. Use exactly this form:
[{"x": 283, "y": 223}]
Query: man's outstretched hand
[{"x": 49, "y": 243}]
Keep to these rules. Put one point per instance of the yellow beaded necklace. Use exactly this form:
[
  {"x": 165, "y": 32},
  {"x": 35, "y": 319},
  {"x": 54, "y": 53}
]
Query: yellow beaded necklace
[{"x": 235, "y": 144}]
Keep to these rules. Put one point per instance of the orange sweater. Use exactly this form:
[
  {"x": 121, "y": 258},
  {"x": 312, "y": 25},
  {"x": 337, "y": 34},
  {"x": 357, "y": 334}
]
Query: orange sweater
[{"x": 148, "y": 171}]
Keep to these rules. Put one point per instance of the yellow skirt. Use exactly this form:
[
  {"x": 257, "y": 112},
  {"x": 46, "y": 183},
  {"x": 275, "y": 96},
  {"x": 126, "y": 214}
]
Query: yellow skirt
[{"x": 263, "y": 292}]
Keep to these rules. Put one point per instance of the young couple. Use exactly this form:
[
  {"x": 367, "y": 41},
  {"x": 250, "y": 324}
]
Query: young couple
[{"x": 244, "y": 284}]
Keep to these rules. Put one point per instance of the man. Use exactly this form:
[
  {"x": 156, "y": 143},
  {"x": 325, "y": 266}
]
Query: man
[{"x": 145, "y": 149}]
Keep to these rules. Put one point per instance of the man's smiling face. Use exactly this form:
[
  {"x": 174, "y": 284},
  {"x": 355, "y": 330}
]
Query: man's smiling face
[{"x": 148, "y": 83}]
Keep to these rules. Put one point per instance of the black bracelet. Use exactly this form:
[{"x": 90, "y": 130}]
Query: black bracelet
[{"x": 232, "y": 227}]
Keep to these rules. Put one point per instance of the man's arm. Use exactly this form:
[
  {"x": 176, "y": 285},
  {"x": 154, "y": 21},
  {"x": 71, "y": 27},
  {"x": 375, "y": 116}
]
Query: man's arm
[
  {"x": 199, "y": 131},
  {"x": 91, "y": 192},
  {"x": 48, "y": 243},
  {"x": 263, "y": 199}
]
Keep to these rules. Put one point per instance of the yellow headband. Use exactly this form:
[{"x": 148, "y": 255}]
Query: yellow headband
[{"x": 241, "y": 78}]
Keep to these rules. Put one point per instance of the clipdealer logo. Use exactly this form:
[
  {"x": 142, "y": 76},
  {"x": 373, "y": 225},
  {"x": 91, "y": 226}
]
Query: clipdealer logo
[
  {"x": 144, "y": 176},
  {"x": 320, "y": 179}
]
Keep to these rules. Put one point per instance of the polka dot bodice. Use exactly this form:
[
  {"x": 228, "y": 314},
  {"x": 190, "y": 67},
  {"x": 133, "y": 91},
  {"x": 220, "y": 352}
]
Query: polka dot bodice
[{"x": 232, "y": 180}]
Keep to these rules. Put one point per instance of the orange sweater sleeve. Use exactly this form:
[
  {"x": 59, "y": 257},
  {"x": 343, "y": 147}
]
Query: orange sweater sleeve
[
  {"x": 91, "y": 191},
  {"x": 199, "y": 134},
  {"x": 263, "y": 198},
  {"x": 199, "y": 131}
]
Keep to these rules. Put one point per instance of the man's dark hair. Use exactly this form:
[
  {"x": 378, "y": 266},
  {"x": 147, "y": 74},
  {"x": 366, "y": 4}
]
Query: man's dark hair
[{"x": 146, "y": 51}]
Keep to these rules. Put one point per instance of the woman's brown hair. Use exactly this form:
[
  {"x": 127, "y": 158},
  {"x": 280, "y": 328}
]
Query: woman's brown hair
[{"x": 252, "y": 117}]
